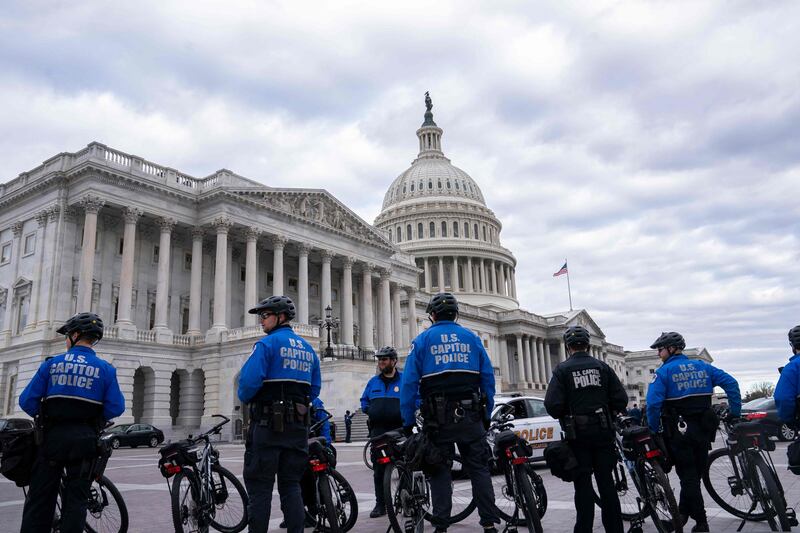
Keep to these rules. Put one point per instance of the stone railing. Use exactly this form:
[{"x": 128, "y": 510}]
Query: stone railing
[
  {"x": 246, "y": 332},
  {"x": 111, "y": 332},
  {"x": 145, "y": 336}
]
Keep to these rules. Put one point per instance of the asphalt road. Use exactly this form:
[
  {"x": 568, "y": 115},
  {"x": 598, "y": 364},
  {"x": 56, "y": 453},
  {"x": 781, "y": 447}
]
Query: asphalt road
[{"x": 135, "y": 473}]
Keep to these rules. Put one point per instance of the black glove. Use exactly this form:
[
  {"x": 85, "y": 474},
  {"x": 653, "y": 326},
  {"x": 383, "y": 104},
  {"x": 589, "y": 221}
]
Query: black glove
[
  {"x": 408, "y": 430},
  {"x": 732, "y": 420}
]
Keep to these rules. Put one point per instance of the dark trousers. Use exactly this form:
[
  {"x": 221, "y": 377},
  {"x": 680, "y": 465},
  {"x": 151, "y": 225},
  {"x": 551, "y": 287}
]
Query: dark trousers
[
  {"x": 599, "y": 458},
  {"x": 347, "y": 433},
  {"x": 690, "y": 456},
  {"x": 269, "y": 454},
  {"x": 470, "y": 437},
  {"x": 68, "y": 449}
]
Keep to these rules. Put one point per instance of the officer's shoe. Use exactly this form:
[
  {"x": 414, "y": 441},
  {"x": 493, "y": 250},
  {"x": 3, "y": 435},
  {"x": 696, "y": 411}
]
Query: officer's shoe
[
  {"x": 700, "y": 526},
  {"x": 309, "y": 522},
  {"x": 379, "y": 510}
]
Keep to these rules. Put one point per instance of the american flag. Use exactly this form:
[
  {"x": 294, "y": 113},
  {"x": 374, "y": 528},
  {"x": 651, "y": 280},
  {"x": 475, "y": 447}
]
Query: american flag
[{"x": 562, "y": 270}]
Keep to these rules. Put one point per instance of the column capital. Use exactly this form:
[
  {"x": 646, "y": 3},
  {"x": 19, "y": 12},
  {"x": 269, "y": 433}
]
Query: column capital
[
  {"x": 222, "y": 224},
  {"x": 166, "y": 224},
  {"x": 385, "y": 273},
  {"x": 348, "y": 262},
  {"x": 16, "y": 228},
  {"x": 303, "y": 248},
  {"x": 410, "y": 291},
  {"x": 278, "y": 241},
  {"x": 53, "y": 212},
  {"x": 326, "y": 255},
  {"x": 91, "y": 204},
  {"x": 131, "y": 215},
  {"x": 41, "y": 217},
  {"x": 70, "y": 213},
  {"x": 367, "y": 268},
  {"x": 252, "y": 234},
  {"x": 198, "y": 233}
]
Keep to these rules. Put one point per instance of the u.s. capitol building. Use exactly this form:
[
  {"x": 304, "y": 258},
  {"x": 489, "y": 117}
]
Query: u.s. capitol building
[{"x": 172, "y": 262}]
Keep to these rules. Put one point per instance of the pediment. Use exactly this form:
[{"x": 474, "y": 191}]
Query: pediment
[
  {"x": 582, "y": 318},
  {"x": 319, "y": 207},
  {"x": 21, "y": 282}
]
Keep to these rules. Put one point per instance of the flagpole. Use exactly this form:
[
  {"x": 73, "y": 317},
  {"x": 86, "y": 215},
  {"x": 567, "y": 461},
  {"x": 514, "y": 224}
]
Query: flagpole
[{"x": 569, "y": 289}]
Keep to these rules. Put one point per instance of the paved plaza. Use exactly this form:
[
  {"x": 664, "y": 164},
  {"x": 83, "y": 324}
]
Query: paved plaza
[{"x": 135, "y": 473}]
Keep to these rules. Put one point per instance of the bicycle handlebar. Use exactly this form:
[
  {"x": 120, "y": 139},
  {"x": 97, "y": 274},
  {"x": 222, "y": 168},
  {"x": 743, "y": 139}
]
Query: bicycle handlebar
[
  {"x": 318, "y": 424},
  {"x": 214, "y": 430}
]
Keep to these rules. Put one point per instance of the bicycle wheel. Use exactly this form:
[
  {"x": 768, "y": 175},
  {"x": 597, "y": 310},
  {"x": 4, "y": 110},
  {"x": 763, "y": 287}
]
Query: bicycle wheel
[
  {"x": 660, "y": 499},
  {"x": 186, "y": 516},
  {"x": 230, "y": 507},
  {"x": 627, "y": 492},
  {"x": 393, "y": 480},
  {"x": 772, "y": 500},
  {"x": 367, "y": 453},
  {"x": 505, "y": 504},
  {"x": 106, "y": 511},
  {"x": 345, "y": 501},
  {"x": 328, "y": 512},
  {"x": 728, "y": 488},
  {"x": 528, "y": 499},
  {"x": 463, "y": 501}
]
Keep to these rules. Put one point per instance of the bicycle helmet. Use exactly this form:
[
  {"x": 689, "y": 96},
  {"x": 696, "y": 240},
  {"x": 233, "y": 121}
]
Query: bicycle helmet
[
  {"x": 443, "y": 304},
  {"x": 669, "y": 339},
  {"x": 794, "y": 337},
  {"x": 386, "y": 351},
  {"x": 576, "y": 335},
  {"x": 86, "y": 324},
  {"x": 277, "y": 305}
]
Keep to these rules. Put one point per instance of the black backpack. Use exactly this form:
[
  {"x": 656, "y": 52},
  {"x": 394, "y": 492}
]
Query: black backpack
[
  {"x": 561, "y": 460},
  {"x": 18, "y": 455},
  {"x": 793, "y": 454}
]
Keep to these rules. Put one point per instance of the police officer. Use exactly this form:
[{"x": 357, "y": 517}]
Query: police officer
[
  {"x": 679, "y": 400},
  {"x": 788, "y": 388},
  {"x": 449, "y": 371},
  {"x": 584, "y": 394},
  {"x": 381, "y": 402},
  {"x": 73, "y": 395},
  {"x": 279, "y": 380}
]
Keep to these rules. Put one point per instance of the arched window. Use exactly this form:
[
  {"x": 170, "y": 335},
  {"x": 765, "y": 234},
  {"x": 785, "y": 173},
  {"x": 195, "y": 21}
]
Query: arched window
[
  {"x": 412, "y": 186},
  {"x": 430, "y": 184},
  {"x": 457, "y": 188},
  {"x": 399, "y": 234},
  {"x": 466, "y": 230},
  {"x": 440, "y": 183},
  {"x": 408, "y": 232},
  {"x": 455, "y": 229},
  {"x": 475, "y": 227},
  {"x": 444, "y": 228},
  {"x": 419, "y": 231},
  {"x": 390, "y": 235},
  {"x": 448, "y": 184},
  {"x": 432, "y": 230},
  {"x": 421, "y": 185},
  {"x": 484, "y": 233},
  {"x": 404, "y": 188}
]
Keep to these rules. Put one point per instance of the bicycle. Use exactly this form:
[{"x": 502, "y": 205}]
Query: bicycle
[
  {"x": 520, "y": 484},
  {"x": 744, "y": 470},
  {"x": 199, "y": 491},
  {"x": 406, "y": 488},
  {"x": 641, "y": 462},
  {"x": 366, "y": 454}
]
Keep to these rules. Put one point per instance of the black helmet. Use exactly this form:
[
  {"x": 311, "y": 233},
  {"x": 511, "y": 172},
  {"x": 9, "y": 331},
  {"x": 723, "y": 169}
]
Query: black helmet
[
  {"x": 277, "y": 305},
  {"x": 576, "y": 335},
  {"x": 443, "y": 304},
  {"x": 386, "y": 351},
  {"x": 794, "y": 337},
  {"x": 87, "y": 324},
  {"x": 669, "y": 339}
]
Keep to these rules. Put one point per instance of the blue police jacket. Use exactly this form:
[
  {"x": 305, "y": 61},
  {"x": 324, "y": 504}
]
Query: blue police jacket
[
  {"x": 281, "y": 356},
  {"x": 442, "y": 349},
  {"x": 77, "y": 375},
  {"x": 325, "y": 429},
  {"x": 788, "y": 389},
  {"x": 381, "y": 401},
  {"x": 680, "y": 378}
]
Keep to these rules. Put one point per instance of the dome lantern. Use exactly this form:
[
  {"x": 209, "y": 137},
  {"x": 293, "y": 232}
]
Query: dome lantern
[{"x": 430, "y": 135}]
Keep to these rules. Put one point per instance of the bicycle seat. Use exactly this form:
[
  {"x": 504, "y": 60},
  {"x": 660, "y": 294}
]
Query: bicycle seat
[
  {"x": 504, "y": 439},
  {"x": 393, "y": 435},
  {"x": 634, "y": 431},
  {"x": 317, "y": 443}
]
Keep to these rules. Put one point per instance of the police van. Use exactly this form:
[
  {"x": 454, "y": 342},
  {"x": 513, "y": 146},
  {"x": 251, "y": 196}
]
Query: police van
[{"x": 531, "y": 421}]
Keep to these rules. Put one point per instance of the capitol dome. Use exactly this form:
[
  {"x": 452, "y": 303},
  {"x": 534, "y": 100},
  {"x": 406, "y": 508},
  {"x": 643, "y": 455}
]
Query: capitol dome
[{"x": 436, "y": 212}]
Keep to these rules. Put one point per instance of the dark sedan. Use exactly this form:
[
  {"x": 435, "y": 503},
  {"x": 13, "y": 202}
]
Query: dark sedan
[
  {"x": 12, "y": 426},
  {"x": 133, "y": 435},
  {"x": 764, "y": 410}
]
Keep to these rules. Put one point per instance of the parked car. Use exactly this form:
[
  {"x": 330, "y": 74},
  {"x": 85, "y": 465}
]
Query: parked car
[
  {"x": 764, "y": 410},
  {"x": 11, "y": 426},
  {"x": 531, "y": 421},
  {"x": 133, "y": 435}
]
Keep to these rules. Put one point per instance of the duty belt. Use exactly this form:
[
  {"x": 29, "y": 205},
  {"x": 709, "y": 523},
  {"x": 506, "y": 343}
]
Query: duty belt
[
  {"x": 443, "y": 410},
  {"x": 276, "y": 414}
]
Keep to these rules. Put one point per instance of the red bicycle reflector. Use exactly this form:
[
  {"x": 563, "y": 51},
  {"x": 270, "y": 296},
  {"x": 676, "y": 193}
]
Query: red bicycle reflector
[
  {"x": 383, "y": 460},
  {"x": 652, "y": 453},
  {"x": 172, "y": 469},
  {"x": 756, "y": 415},
  {"x": 519, "y": 460},
  {"x": 316, "y": 466}
]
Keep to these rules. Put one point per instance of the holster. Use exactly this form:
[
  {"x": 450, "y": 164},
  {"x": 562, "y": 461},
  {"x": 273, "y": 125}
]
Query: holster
[
  {"x": 568, "y": 427},
  {"x": 440, "y": 410},
  {"x": 277, "y": 414}
]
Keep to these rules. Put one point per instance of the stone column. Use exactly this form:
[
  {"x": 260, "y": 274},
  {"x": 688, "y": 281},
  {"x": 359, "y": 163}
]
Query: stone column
[
  {"x": 125, "y": 380},
  {"x": 441, "y": 274},
  {"x": 384, "y": 313},
  {"x": 367, "y": 341},
  {"x": 190, "y": 400},
  {"x": 562, "y": 351},
  {"x": 495, "y": 289},
  {"x": 427, "y": 275},
  {"x": 537, "y": 378},
  {"x": 504, "y": 360},
  {"x": 526, "y": 349},
  {"x": 196, "y": 282},
  {"x": 412, "y": 314},
  {"x": 454, "y": 275},
  {"x": 325, "y": 285},
  {"x": 468, "y": 285},
  {"x": 503, "y": 290},
  {"x": 278, "y": 244},
  {"x": 514, "y": 283},
  {"x": 131, "y": 216},
  {"x": 548, "y": 360},
  {"x": 251, "y": 275},
  {"x": 544, "y": 377},
  {"x": 41, "y": 235},
  {"x": 347, "y": 301},
  {"x": 51, "y": 269},
  {"x": 520, "y": 359},
  {"x": 397, "y": 319},
  {"x": 156, "y": 397},
  {"x": 302, "y": 283},
  {"x": 484, "y": 286},
  {"x": 92, "y": 205},
  {"x": 222, "y": 225},
  {"x": 162, "y": 284}
]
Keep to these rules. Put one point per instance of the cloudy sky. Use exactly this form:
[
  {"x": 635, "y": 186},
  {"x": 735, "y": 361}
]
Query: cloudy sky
[{"x": 656, "y": 145}]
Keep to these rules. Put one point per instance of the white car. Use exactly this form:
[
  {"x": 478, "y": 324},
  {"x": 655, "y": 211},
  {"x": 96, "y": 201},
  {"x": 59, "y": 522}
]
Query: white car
[{"x": 531, "y": 421}]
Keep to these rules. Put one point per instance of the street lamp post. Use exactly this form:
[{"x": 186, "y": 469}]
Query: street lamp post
[{"x": 329, "y": 323}]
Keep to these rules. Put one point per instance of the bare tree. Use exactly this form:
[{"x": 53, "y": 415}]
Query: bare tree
[{"x": 763, "y": 389}]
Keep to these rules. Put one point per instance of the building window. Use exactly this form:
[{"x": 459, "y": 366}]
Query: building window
[
  {"x": 22, "y": 313},
  {"x": 116, "y": 309},
  {"x": 11, "y": 396},
  {"x": 121, "y": 246},
  {"x": 652, "y": 371},
  {"x": 457, "y": 188},
  {"x": 638, "y": 371},
  {"x": 419, "y": 231},
  {"x": 184, "y": 320},
  {"x": 242, "y": 274},
  {"x": 432, "y": 230},
  {"x": 408, "y": 232},
  {"x": 444, "y": 229},
  {"x": 440, "y": 183},
  {"x": 269, "y": 279},
  {"x": 293, "y": 284},
  {"x": 187, "y": 260},
  {"x": 412, "y": 186},
  {"x": 430, "y": 184},
  {"x": 152, "y": 320},
  {"x": 334, "y": 295},
  {"x": 155, "y": 253},
  {"x": 448, "y": 184},
  {"x": 455, "y": 229},
  {"x": 399, "y": 234},
  {"x": 5, "y": 253},
  {"x": 466, "y": 230},
  {"x": 30, "y": 244},
  {"x": 475, "y": 227},
  {"x": 484, "y": 233}
]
